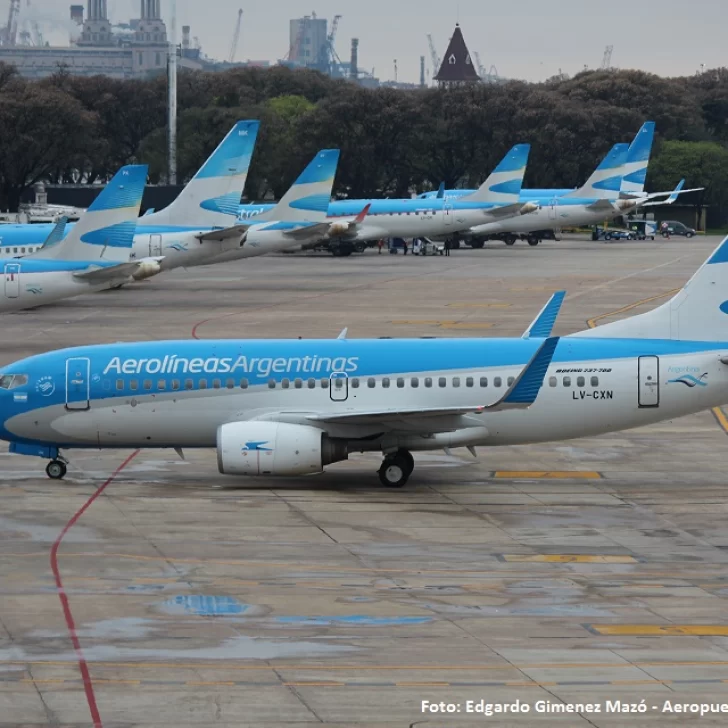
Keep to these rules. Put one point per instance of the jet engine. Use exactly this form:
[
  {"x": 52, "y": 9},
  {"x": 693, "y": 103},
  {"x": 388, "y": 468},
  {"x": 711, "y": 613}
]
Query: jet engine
[
  {"x": 275, "y": 448},
  {"x": 339, "y": 229},
  {"x": 147, "y": 269}
]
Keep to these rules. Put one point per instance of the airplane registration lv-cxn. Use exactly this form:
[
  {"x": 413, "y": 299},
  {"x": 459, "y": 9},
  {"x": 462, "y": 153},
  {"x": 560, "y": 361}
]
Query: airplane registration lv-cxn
[{"x": 289, "y": 408}]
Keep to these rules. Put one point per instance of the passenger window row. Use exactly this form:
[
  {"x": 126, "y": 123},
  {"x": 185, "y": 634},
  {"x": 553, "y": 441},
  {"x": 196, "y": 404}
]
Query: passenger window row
[
  {"x": 175, "y": 385},
  {"x": 567, "y": 382}
]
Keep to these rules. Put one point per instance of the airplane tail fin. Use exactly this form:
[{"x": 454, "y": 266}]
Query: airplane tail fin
[
  {"x": 606, "y": 181},
  {"x": 212, "y": 197},
  {"x": 309, "y": 197},
  {"x": 638, "y": 159},
  {"x": 106, "y": 230},
  {"x": 504, "y": 184},
  {"x": 699, "y": 312}
]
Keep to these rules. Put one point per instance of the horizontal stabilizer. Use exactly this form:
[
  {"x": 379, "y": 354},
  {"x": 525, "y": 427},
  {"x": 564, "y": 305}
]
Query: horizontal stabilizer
[
  {"x": 96, "y": 275},
  {"x": 544, "y": 323},
  {"x": 514, "y": 210},
  {"x": 236, "y": 231}
]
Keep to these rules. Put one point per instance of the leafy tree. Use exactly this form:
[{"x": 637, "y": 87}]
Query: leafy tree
[
  {"x": 701, "y": 164},
  {"x": 40, "y": 129}
]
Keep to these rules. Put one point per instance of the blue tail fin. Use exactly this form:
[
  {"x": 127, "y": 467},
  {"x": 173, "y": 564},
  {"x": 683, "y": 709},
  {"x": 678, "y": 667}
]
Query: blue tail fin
[
  {"x": 638, "y": 159},
  {"x": 106, "y": 230},
  {"x": 504, "y": 184},
  {"x": 309, "y": 197},
  {"x": 212, "y": 197},
  {"x": 606, "y": 181}
]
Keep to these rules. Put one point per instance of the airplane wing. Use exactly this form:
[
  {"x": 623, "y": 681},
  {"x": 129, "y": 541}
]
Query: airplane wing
[
  {"x": 312, "y": 231},
  {"x": 601, "y": 205},
  {"x": 512, "y": 210},
  {"x": 99, "y": 275},
  {"x": 520, "y": 395},
  {"x": 236, "y": 231},
  {"x": 672, "y": 196},
  {"x": 543, "y": 324}
]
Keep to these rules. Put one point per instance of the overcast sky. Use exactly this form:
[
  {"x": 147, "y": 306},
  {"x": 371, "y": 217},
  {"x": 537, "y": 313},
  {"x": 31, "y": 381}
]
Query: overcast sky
[{"x": 528, "y": 39}]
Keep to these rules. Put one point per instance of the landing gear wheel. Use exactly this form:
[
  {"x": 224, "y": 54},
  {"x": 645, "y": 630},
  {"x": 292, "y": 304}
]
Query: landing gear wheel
[
  {"x": 510, "y": 241},
  {"x": 56, "y": 470},
  {"x": 533, "y": 241},
  {"x": 395, "y": 471},
  {"x": 406, "y": 457}
]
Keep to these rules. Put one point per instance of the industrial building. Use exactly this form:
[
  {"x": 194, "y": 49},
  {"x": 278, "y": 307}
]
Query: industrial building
[{"x": 120, "y": 51}]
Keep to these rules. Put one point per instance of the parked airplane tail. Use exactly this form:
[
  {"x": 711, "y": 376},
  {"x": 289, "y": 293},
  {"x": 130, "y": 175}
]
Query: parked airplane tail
[
  {"x": 606, "y": 181},
  {"x": 504, "y": 184},
  {"x": 105, "y": 231},
  {"x": 212, "y": 197},
  {"x": 699, "y": 312},
  {"x": 638, "y": 159},
  {"x": 309, "y": 197}
]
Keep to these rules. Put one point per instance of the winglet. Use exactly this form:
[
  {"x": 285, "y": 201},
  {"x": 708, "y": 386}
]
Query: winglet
[
  {"x": 676, "y": 193},
  {"x": 342, "y": 336},
  {"x": 56, "y": 235},
  {"x": 543, "y": 324},
  {"x": 362, "y": 215},
  {"x": 441, "y": 191},
  {"x": 525, "y": 389}
]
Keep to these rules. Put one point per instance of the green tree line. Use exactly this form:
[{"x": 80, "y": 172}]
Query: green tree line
[{"x": 81, "y": 130}]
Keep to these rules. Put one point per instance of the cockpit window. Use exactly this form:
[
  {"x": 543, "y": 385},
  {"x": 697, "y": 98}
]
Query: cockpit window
[{"x": 13, "y": 381}]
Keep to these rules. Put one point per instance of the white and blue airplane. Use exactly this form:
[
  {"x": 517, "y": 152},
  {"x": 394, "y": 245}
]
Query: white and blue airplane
[
  {"x": 634, "y": 172},
  {"x": 92, "y": 257},
  {"x": 496, "y": 199},
  {"x": 298, "y": 219},
  {"x": 615, "y": 189},
  {"x": 209, "y": 202},
  {"x": 291, "y": 407}
]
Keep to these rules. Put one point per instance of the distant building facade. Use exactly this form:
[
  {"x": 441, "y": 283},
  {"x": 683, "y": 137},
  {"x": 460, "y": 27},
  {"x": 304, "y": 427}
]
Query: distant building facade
[
  {"x": 308, "y": 41},
  {"x": 99, "y": 49}
]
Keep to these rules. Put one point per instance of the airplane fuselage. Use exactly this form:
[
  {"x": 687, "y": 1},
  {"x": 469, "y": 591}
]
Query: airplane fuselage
[
  {"x": 557, "y": 213},
  {"x": 177, "y": 394},
  {"x": 31, "y": 283}
]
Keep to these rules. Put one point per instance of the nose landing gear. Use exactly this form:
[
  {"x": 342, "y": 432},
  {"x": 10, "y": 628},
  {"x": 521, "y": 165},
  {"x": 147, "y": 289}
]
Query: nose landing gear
[
  {"x": 396, "y": 469},
  {"x": 57, "y": 469}
]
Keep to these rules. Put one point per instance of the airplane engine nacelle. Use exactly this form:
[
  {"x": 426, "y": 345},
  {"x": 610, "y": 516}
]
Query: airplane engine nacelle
[
  {"x": 338, "y": 229},
  {"x": 275, "y": 448},
  {"x": 147, "y": 269}
]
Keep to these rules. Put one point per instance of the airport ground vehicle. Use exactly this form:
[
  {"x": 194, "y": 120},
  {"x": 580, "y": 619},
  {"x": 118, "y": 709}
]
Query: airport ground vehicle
[
  {"x": 678, "y": 228},
  {"x": 423, "y": 246},
  {"x": 601, "y": 233},
  {"x": 644, "y": 228}
]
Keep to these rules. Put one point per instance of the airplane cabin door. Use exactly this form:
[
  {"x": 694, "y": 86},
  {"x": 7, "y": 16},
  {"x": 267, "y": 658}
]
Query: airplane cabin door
[
  {"x": 339, "y": 388},
  {"x": 155, "y": 246},
  {"x": 552, "y": 209},
  {"x": 649, "y": 381},
  {"x": 78, "y": 384},
  {"x": 12, "y": 280},
  {"x": 447, "y": 213}
]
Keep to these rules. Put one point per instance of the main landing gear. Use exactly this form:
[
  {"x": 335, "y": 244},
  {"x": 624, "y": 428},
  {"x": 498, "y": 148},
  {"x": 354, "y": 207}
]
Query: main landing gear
[
  {"x": 396, "y": 469},
  {"x": 57, "y": 469}
]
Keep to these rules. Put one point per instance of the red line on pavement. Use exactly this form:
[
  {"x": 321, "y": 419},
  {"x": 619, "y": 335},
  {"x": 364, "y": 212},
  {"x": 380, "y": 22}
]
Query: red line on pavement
[{"x": 82, "y": 665}]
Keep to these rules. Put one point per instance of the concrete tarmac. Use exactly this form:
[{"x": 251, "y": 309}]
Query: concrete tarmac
[{"x": 584, "y": 573}]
